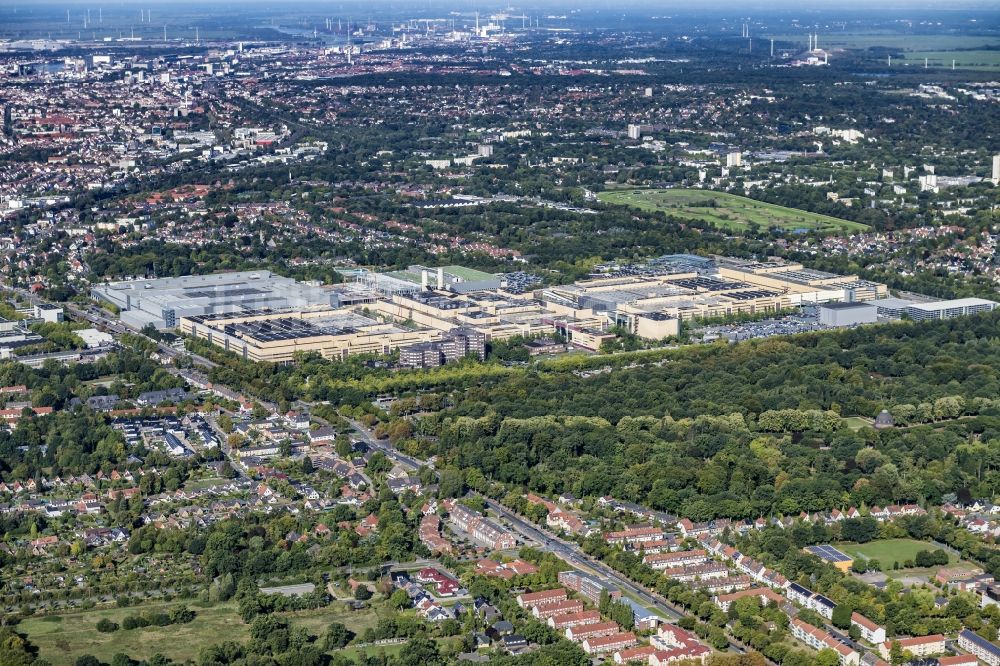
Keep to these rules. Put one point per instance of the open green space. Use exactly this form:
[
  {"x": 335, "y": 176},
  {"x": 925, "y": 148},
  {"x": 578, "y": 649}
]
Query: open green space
[
  {"x": 968, "y": 51},
  {"x": 203, "y": 484},
  {"x": 980, "y": 59},
  {"x": 888, "y": 551},
  {"x": 726, "y": 210},
  {"x": 62, "y": 638},
  {"x": 866, "y": 40},
  {"x": 856, "y": 422}
]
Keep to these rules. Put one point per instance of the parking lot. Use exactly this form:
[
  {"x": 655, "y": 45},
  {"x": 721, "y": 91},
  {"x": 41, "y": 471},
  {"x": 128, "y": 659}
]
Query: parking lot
[{"x": 789, "y": 325}]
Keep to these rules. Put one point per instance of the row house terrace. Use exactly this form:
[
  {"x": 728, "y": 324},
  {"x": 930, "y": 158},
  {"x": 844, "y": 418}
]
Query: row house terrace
[{"x": 677, "y": 559}]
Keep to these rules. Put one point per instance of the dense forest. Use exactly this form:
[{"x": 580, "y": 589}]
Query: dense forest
[{"x": 752, "y": 429}]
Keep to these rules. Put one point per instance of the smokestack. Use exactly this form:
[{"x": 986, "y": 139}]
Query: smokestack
[
  {"x": 440, "y": 278},
  {"x": 424, "y": 279}
]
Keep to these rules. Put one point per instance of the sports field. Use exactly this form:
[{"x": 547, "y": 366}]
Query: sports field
[
  {"x": 63, "y": 638},
  {"x": 888, "y": 551},
  {"x": 727, "y": 211}
]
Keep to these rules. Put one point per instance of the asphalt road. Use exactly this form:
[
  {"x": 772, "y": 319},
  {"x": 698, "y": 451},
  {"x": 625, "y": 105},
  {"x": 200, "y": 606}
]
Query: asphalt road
[
  {"x": 384, "y": 446},
  {"x": 571, "y": 553}
]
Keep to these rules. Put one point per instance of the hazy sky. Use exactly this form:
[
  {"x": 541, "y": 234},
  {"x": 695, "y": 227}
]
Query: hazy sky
[{"x": 471, "y": 5}]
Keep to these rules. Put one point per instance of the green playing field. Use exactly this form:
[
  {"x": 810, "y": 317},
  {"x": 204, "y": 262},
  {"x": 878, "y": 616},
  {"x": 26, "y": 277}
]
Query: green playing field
[{"x": 726, "y": 210}]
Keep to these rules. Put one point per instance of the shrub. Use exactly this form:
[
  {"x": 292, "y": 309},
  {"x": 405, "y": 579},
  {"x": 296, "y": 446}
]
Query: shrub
[
  {"x": 106, "y": 626},
  {"x": 158, "y": 619},
  {"x": 134, "y": 622},
  {"x": 181, "y": 615}
]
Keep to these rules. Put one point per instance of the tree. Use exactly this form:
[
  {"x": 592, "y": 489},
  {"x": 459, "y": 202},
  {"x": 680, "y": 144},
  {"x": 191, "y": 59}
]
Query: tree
[
  {"x": 842, "y": 616},
  {"x": 307, "y": 465},
  {"x": 362, "y": 593},
  {"x": 344, "y": 447},
  {"x": 400, "y": 599},
  {"x": 451, "y": 483},
  {"x": 826, "y": 657},
  {"x": 337, "y": 636},
  {"x": 181, "y": 615},
  {"x": 14, "y": 648},
  {"x": 420, "y": 652},
  {"x": 897, "y": 655},
  {"x": 861, "y": 530}
]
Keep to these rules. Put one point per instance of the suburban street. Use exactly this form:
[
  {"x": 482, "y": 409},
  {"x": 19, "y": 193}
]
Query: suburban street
[{"x": 568, "y": 551}]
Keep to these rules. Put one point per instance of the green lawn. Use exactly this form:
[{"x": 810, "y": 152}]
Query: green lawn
[
  {"x": 888, "y": 551},
  {"x": 856, "y": 422},
  {"x": 726, "y": 210},
  {"x": 63, "y": 638}
]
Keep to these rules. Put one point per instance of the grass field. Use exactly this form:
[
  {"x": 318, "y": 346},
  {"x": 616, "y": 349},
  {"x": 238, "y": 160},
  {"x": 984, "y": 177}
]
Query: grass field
[
  {"x": 726, "y": 210},
  {"x": 63, "y": 638},
  {"x": 866, "y": 40},
  {"x": 968, "y": 51},
  {"x": 856, "y": 422},
  {"x": 202, "y": 484},
  {"x": 888, "y": 551},
  {"x": 984, "y": 60}
]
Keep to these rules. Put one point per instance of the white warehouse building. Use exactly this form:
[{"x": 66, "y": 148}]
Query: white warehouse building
[{"x": 162, "y": 302}]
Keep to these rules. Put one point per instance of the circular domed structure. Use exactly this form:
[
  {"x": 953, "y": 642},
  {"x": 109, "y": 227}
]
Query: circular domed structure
[{"x": 884, "y": 419}]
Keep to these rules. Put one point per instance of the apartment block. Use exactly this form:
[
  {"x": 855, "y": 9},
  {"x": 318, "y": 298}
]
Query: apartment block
[
  {"x": 918, "y": 646},
  {"x": 984, "y": 650},
  {"x": 870, "y": 631},
  {"x": 574, "y": 619},
  {"x": 604, "y": 644},
  {"x": 679, "y": 559},
  {"x": 532, "y": 599},
  {"x": 554, "y": 608}
]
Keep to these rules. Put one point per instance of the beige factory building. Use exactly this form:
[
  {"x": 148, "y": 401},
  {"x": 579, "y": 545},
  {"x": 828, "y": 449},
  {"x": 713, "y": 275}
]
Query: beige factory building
[
  {"x": 277, "y": 337},
  {"x": 385, "y": 314}
]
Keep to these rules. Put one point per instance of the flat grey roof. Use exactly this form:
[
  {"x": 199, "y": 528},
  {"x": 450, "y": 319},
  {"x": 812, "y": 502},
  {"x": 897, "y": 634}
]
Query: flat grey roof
[
  {"x": 836, "y": 305},
  {"x": 892, "y": 303},
  {"x": 954, "y": 303}
]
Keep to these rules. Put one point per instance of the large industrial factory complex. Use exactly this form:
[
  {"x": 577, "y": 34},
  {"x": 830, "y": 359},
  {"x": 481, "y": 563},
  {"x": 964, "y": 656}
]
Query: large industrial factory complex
[
  {"x": 164, "y": 301},
  {"x": 435, "y": 315}
]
